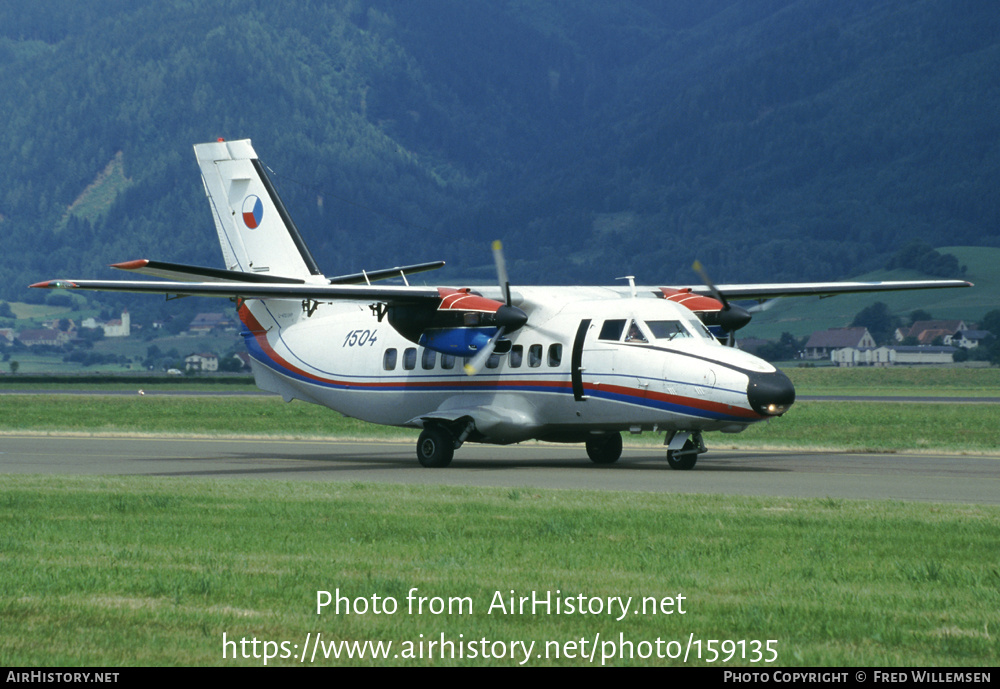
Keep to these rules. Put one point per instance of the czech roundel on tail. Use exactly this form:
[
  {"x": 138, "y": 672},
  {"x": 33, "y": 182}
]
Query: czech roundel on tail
[{"x": 497, "y": 364}]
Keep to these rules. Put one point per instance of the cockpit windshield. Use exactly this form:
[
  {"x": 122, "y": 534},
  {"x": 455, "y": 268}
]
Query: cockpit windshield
[
  {"x": 634, "y": 330},
  {"x": 667, "y": 330},
  {"x": 674, "y": 330}
]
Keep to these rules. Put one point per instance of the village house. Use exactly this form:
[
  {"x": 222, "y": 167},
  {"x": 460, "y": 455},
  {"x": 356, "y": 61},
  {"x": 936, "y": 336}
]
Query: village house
[
  {"x": 43, "y": 336},
  {"x": 201, "y": 362},
  {"x": 925, "y": 332},
  {"x": 821, "y": 344},
  {"x": 207, "y": 322},
  {"x": 970, "y": 339},
  {"x": 751, "y": 344}
]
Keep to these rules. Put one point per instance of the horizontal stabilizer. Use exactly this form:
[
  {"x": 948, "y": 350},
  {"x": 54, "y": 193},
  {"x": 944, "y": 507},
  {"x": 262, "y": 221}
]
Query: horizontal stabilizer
[
  {"x": 184, "y": 273},
  {"x": 385, "y": 274}
]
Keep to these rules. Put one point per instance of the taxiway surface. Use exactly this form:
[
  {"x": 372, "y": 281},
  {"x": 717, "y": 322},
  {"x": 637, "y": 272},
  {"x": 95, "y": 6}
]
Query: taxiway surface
[{"x": 924, "y": 477}]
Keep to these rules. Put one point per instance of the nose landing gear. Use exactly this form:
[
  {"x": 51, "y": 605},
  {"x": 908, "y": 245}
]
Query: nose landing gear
[{"x": 683, "y": 449}]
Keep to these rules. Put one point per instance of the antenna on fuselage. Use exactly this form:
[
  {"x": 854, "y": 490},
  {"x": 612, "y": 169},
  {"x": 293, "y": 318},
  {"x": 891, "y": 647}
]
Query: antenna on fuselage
[{"x": 631, "y": 283}]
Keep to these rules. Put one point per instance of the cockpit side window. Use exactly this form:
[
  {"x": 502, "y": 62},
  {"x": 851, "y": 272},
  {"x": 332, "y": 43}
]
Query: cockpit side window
[
  {"x": 634, "y": 333},
  {"x": 612, "y": 330},
  {"x": 699, "y": 328}
]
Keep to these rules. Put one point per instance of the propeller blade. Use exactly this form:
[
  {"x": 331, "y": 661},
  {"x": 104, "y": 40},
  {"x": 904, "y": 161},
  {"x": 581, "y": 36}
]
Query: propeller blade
[
  {"x": 501, "y": 270},
  {"x": 476, "y": 363},
  {"x": 762, "y": 306},
  {"x": 698, "y": 268},
  {"x": 731, "y": 318},
  {"x": 508, "y": 317}
]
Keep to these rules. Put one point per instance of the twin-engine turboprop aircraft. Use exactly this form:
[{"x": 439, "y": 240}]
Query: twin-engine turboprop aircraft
[{"x": 489, "y": 365}]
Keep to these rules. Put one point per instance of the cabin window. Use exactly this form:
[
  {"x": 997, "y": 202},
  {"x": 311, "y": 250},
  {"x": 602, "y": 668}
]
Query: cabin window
[
  {"x": 410, "y": 358},
  {"x": 667, "y": 330},
  {"x": 447, "y": 361},
  {"x": 612, "y": 330},
  {"x": 428, "y": 359},
  {"x": 555, "y": 354},
  {"x": 516, "y": 356},
  {"x": 535, "y": 356},
  {"x": 389, "y": 360},
  {"x": 493, "y": 361}
]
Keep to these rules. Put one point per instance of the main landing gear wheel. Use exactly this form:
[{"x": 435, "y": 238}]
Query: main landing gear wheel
[
  {"x": 605, "y": 449},
  {"x": 435, "y": 447},
  {"x": 684, "y": 458}
]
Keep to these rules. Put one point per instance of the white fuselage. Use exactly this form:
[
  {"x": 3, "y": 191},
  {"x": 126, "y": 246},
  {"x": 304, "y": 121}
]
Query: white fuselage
[{"x": 567, "y": 374}]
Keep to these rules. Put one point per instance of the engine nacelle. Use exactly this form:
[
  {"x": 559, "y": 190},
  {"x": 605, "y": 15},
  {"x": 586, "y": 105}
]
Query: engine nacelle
[
  {"x": 464, "y": 342},
  {"x": 457, "y": 329}
]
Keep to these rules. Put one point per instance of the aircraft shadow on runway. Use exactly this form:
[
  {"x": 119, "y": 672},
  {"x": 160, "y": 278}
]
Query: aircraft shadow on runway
[{"x": 249, "y": 464}]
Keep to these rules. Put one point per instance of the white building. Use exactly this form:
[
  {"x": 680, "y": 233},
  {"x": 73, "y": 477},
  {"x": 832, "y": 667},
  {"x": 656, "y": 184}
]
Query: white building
[
  {"x": 119, "y": 327},
  {"x": 201, "y": 362},
  {"x": 892, "y": 356}
]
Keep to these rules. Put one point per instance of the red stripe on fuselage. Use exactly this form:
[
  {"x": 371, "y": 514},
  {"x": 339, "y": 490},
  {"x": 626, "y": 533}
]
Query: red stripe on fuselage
[{"x": 679, "y": 400}]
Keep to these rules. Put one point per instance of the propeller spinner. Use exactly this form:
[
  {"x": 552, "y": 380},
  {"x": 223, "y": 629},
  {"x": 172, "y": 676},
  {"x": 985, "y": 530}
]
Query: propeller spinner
[{"x": 730, "y": 317}]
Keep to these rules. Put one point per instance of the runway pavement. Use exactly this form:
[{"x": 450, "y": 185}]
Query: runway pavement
[{"x": 934, "y": 478}]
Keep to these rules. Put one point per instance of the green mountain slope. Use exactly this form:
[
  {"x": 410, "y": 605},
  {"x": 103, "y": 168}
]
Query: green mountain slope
[{"x": 789, "y": 139}]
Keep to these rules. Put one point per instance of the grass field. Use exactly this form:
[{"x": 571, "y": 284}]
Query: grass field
[
  {"x": 866, "y": 426},
  {"x": 936, "y": 381},
  {"x": 921, "y": 381},
  {"x": 151, "y": 571}
]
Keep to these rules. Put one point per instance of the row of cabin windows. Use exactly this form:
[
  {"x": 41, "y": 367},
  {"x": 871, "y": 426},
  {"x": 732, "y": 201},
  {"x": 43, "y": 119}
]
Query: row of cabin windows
[{"x": 429, "y": 358}]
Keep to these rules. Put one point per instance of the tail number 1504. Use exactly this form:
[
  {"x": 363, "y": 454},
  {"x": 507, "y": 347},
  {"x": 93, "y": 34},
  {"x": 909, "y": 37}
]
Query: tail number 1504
[{"x": 360, "y": 338}]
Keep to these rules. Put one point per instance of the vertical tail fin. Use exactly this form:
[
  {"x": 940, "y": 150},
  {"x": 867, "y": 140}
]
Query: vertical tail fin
[{"x": 255, "y": 231}]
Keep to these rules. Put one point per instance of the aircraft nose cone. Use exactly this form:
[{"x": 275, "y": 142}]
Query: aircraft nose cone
[
  {"x": 510, "y": 317},
  {"x": 770, "y": 394}
]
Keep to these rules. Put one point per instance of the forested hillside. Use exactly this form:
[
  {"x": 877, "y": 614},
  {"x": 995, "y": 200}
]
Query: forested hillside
[{"x": 779, "y": 139}]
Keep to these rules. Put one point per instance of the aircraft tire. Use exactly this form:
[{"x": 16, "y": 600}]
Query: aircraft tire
[
  {"x": 605, "y": 449},
  {"x": 683, "y": 462},
  {"x": 435, "y": 447}
]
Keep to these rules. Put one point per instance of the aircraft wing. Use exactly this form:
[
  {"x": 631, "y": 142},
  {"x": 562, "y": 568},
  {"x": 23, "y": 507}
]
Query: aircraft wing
[{"x": 764, "y": 291}]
